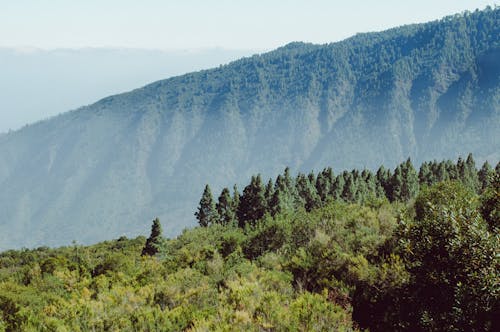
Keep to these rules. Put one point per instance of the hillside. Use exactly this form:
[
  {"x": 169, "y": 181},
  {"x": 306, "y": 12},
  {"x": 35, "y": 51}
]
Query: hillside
[{"x": 425, "y": 91}]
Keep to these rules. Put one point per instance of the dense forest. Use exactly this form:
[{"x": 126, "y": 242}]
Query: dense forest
[
  {"x": 426, "y": 91},
  {"x": 393, "y": 250}
]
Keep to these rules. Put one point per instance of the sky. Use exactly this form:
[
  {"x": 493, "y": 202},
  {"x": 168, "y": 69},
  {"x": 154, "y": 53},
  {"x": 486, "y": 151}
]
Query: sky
[
  {"x": 188, "y": 24},
  {"x": 35, "y": 85}
]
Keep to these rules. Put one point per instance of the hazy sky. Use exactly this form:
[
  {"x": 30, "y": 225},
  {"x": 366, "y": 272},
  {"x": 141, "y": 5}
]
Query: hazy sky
[{"x": 186, "y": 24}]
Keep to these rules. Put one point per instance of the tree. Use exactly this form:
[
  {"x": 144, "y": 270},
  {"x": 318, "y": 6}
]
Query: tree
[
  {"x": 350, "y": 187},
  {"x": 154, "y": 241},
  {"x": 484, "y": 175},
  {"x": 490, "y": 203},
  {"x": 225, "y": 208},
  {"x": 253, "y": 204},
  {"x": 206, "y": 214},
  {"x": 283, "y": 198},
  {"x": 384, "y": 180},
  {"x": 307, "y": 191},
  {"x": 404, "y": 182},
  {"x": 451, "y": 258},
  {"x": 268, "y": 194},
  {"x": 324, "y": 182},
  {"x": 236, "y": 198},
  {"x": 338, "y": 185},
  {"x": 425, "y": 176}
]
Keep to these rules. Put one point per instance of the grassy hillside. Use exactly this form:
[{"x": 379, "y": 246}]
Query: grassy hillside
[{"x": 430, "y": 263}]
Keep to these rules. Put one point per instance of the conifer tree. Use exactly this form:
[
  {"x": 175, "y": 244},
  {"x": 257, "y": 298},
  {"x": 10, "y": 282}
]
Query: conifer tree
[
  {"x": 442, "y": 173},
  {"x": 225, "y": 208},
  {"x": 268, "y": 194},
  {"x": 206, "y": 214},
  {"x": 283, "y": 197},
  {"x": 471, "y": 179},
  {"x": 324, "y": 182},
  {"x": 308, "y": 192},
  {"x": 484, "y": 175},
  {"x": 252, "y": 205},
  {"x": 154, "y": 241},
  {"x": 384, "y": 180},
  {"x": 350, "y": 188},
  {"x": 236, "y": 198},
  {"x": 338, "y": 185},
  {"x": 452, "y": 170},
  {"x": 425, "y": 175},
  {"x": 404, "y": 183}
]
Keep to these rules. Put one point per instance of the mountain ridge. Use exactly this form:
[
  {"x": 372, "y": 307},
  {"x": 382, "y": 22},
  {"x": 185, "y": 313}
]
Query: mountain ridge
[{"x": 429, "y": 91}]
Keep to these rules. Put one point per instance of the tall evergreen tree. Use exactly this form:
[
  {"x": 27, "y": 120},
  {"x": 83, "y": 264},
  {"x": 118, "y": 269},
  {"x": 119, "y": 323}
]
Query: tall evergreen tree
[
  {"x": 283, "y": 197},
  {"x": 207, "y": 213},
  {"x": 471, "y": 179},
  {"x": 225, "y": 208},
  {"x": 350, "y": 187},
  {"x": 308, "y": 192},
  {"x": 154, "y": 241},
  {"x": 338, "y": 185},
  {"x": 323, "y": 184},
  {"x": 442, "y": 173},
  {"x": 425, "y": 175},
  {"x": 404, "y": 183},
  {"x": 253, "y": 204},
  {"x": 268, "y": 194},
  {"x": 384, "y": 180},
  {"x": 452, "y": 169},
  {"x": 236, "y": 198},
  {"x": 484, "y": 175}
]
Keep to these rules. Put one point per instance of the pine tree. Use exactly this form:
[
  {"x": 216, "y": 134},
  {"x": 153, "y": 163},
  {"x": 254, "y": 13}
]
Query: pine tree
[
  {"x": 268, "y": 194},
  {"x": 472, "y": 180},
  {"x": 154, "y": 241},
  {"x": 308, "y": 192},
  {"x": 452, "y": 169},
  {"x": 442, "y": 173},
  {"x": 206, "y": 214},
  {"x": 324, "y": 182},
  {"x": 425, "y": 175},
  {"x": 283, "y": 198},
  {"x": 252, "y": 205},
  {"x": 484, "y": 175},
  {"x": 404, "y": 182},
  {"x": 384, "y": 180},
  {"x": 338, "y": 185},
  {"x": 236, "y": 198},
  {"x": 350, "y": 187},
  {"x": 225, "y": 208}
]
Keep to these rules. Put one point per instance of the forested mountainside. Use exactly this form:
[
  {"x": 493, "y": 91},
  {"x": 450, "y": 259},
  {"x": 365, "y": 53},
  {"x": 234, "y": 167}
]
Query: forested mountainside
[
  {"x": 291, "y": 256},
  {"x": 422, "y": 91}
]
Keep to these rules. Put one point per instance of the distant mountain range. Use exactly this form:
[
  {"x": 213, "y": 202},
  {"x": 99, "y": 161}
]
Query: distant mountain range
[{"x": 425, "y": 91}]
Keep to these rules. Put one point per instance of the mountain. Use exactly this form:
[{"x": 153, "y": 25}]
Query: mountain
[
  {"x": 425, "y": 91},
  {"x": 81, "y": 76}
]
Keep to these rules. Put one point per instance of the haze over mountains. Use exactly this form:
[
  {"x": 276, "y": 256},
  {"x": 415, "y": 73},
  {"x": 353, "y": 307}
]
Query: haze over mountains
[
  {"x": 59, "y": 80},
  {"x": 426, "y": 91}
]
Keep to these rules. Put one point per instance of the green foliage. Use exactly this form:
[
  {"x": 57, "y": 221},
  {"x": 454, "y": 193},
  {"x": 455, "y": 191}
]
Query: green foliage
[
  {"x": 253, "y": 203},
  {"x": 425, "y": 264},
  {"x": 452, "y": 260},
  {"x": 207, "y": 213},
  {"x": 490, "y": 202},
  {"x": 225, "y": 208},
  {"x": 154, "y": 241},
  {"x": 404, "y": 182}
]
